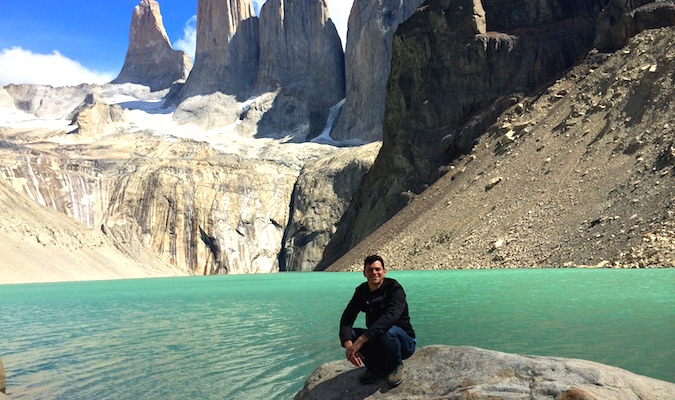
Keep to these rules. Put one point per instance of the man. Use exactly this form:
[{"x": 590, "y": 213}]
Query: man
[{"x": 389, "y": 338}]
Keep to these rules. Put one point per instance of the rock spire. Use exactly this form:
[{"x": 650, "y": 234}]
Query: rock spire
[
  {"x": 150, "y": 59},
  {"x": 226, "y": 58},
  {"x": 300, "y": 47}
]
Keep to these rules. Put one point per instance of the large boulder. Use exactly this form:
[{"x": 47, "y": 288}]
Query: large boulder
[
  {"x": 372, "y": 24},
  {"x": 96, "y": 117},
  {"x": 449, "y": 65},
  {"x": 451, "y": 372},
  {"x": 150, "y": 59}
]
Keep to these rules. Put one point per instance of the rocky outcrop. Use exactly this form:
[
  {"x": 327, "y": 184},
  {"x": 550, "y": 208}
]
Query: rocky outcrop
[
  {"x": 323, "y": 190},
  {"x": 227, "y": 54},
  {"x": 95, "y": 117},
  {"x": 451, "y": 372},
  {"x": 623, "y": 19},
  {"x": 3, "y": 387},
  {"x": 150, "y": 59},
  {"x": 368, "y": 61},
  {"x": 449, "y": 65},
  {"x": 300, "y": 52}
]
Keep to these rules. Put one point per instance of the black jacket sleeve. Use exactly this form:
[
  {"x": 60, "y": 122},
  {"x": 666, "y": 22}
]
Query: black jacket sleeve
[{"x": 348, "y": 317}]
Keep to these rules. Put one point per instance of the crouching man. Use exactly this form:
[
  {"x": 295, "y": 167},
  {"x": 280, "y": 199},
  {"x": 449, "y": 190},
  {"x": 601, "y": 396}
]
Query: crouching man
[{"x": 389, "y": 338}]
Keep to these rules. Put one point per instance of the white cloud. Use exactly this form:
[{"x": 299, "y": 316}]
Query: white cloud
[
  {"x": 188, "y": 43},
  {"x": 23, "y": 66}
]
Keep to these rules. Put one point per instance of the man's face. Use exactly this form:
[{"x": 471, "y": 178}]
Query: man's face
[{"x": 374, "y": 273}]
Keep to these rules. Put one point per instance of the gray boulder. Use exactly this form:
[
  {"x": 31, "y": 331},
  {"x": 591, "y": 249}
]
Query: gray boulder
[{"x": 449, "y": 372}]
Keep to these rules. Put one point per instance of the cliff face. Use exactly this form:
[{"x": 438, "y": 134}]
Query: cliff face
[
  {"x": 150, "y": 60},
  {"x": 226, "y": 58},
  {"x": 449, "y": 64},
  {"x": 577, "y": 175},
  {"x": 321, "y": 194},
  {"x": 372, "y": 24}
]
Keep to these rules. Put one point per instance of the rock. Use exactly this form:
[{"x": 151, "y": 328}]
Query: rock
[
  {"x": 208, "y": 111},
  {"x": 3, "y": 386},
  {"x": 150, "y": 59},
  {"x": 96, "y": 117},
  {"x": 45, "y": 101},
  {"x": 227, "y": 54},
  {"x": 323, "y": 190},
  {"x": 454, "y": 372},
  {"x": 451, "y": 76},
  {"x": 301, "y": 58},
  {"x": 623, "y": 19},
  {"x": 368, "y": 61}
]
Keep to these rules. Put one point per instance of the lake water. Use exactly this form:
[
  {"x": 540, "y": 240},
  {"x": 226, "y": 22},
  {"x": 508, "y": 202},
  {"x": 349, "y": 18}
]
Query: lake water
[{"x": 260, "y": 336}]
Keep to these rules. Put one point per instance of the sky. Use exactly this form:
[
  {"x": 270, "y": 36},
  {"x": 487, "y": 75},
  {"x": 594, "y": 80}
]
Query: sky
[{"x": 68, "y": 42}]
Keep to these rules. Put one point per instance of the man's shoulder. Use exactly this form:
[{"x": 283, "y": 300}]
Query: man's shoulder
[{"x": 391, "y": 282}]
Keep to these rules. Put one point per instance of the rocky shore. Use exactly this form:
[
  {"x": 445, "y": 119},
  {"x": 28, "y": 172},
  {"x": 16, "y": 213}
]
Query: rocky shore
[{"x": 456, "y": 372}]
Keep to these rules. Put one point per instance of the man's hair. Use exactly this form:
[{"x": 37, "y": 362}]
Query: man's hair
[{"x": 371, "y": 259}]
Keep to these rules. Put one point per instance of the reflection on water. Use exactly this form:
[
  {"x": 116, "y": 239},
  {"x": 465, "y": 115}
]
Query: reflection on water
[{"x": 259, "y": 336}]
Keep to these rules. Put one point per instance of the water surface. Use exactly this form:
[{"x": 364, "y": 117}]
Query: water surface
[{"x": 260, "y": 336}]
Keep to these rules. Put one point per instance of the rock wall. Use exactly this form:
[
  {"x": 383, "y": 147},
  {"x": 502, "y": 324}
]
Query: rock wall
[
  {"x": 448, "y": 65},
  {"x": 454, "y": 372},
  {"x": 321, "y": 195},
  {"x": 372, "y": 24},
  {"x": 622, "y": 19},
  {"x": 150, "y": 59}
]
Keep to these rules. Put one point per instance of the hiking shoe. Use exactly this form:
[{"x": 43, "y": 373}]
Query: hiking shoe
[
  {"x": 371, "y": 375},
  {"x": 395, "y": 377}
]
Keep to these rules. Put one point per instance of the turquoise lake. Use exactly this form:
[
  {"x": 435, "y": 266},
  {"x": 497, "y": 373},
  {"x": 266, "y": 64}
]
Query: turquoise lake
[{"x": 260, "y": 336}]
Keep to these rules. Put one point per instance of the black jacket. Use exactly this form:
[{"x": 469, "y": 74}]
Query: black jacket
[{"x": 384, "y": 308}]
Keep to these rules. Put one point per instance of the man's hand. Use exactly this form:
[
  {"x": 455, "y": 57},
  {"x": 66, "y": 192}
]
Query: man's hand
[{"x": 352, "y": 350}]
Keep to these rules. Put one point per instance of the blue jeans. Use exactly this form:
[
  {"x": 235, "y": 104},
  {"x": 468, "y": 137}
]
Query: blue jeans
[{"x": 387, "y": 351}]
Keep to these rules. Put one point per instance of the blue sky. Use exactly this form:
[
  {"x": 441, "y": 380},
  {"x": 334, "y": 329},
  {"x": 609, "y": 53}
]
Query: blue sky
[{"x": 67, "y": 42}]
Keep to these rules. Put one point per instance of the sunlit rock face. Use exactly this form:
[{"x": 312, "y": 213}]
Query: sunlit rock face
[
  {"x": 150, "y": 59},
  {"x": 205, "y": 212},
  {"x": 226, "y": 57},
  {"x": 372, "y": 24}
]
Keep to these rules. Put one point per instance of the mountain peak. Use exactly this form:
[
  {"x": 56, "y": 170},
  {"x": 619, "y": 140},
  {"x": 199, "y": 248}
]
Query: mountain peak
[{"x": 150, "y": 59}]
